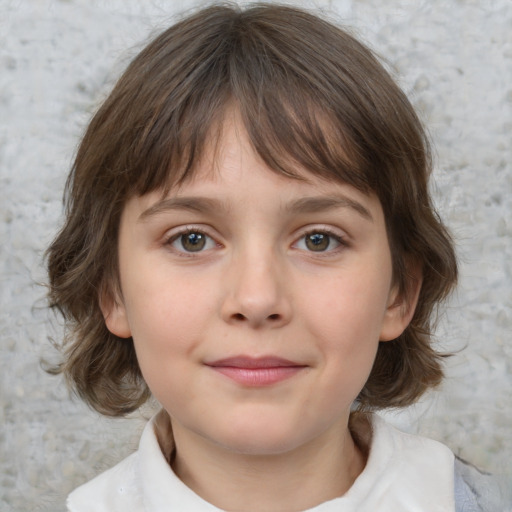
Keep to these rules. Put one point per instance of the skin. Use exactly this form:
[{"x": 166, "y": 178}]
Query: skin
[{"x": 257, "y": 288}]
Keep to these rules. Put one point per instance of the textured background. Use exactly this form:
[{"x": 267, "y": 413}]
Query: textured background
[{"x": 58, "y": 60}]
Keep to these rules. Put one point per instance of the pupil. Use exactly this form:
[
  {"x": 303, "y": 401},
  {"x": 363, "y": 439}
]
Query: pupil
[
  {"x": 317, "y": 242},
  {"x": 193, "y": 241}
]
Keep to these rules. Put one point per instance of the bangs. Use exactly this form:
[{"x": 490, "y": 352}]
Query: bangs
[{"x": 297, "y": 117}]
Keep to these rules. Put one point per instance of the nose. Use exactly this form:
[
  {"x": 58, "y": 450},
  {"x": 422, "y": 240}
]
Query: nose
[{"x": 257, "y": 293}]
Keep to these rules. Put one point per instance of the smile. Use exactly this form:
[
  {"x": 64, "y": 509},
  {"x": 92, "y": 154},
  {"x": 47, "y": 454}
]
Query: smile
[{"x": 256, "y": 372}]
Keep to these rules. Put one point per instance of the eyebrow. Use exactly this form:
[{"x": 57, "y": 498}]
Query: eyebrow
[
  {"x": 324, "y": 203},
  {"x": 302, "y": 205},
  {"x": 193, "y": 204}
]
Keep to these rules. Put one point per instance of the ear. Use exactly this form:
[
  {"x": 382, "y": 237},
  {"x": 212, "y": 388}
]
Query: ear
[
  {"x": 114, "y": 313},
  {"x": 401, "y": 306}
]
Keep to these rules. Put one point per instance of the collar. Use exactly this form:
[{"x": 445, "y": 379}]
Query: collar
[{"x": 403, "y": 473}]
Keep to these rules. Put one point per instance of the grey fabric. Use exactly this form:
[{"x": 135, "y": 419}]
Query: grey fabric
[{"x": 476, "y": 491}]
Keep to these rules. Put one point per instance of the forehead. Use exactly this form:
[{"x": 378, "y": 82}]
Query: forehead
[
  {"x": 229, "y": 156},
  {"x": 230, "y": 162},
  {"x": 325, "y": 158},
  {"x": 232, "y": 177}
]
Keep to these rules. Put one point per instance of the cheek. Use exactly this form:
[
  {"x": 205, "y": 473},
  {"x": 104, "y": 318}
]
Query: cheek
[
  {"x": 167, "y": 315},
  {"x": 345, "y": 319},
  {"x": 352, "y": 305},
  {"x": 166, "y": 332}
]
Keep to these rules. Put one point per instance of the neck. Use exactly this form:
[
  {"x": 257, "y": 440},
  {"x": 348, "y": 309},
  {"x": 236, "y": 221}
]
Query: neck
[{"x": 318, "y": 471}]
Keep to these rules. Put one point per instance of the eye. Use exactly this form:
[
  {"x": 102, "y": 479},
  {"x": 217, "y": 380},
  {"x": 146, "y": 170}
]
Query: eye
[
  {"x": 192, "y": 241},
  {"x": 319, "y": 241}
]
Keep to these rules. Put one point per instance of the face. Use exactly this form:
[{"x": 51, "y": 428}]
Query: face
[{"x": 256, "y": 302}]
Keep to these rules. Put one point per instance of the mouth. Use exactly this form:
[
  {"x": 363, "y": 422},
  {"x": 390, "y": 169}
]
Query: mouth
[{"x": 256, "y": 372}]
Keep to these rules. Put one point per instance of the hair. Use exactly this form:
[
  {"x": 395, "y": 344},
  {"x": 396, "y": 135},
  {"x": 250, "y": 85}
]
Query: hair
[{"x": 311, "y": 97}]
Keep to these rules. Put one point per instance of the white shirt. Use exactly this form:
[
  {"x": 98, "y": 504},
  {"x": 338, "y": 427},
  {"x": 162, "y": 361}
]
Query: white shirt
[{"x": 403, "y": 473}]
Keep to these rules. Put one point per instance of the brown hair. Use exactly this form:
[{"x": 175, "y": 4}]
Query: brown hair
[{"x": 310, "y": 96}]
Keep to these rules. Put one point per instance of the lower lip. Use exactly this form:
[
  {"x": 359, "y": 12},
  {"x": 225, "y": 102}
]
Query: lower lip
[{"x": 258, "y": 377}]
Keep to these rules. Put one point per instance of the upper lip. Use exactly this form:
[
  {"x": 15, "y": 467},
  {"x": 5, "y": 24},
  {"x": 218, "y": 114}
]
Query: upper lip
[{"x": 254, "y": 362}]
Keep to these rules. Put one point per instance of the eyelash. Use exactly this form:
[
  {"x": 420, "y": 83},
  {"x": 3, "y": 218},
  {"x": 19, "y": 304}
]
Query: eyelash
[
  {"x": 189, "y": 230},
  {"x": 337, "y": 237}
]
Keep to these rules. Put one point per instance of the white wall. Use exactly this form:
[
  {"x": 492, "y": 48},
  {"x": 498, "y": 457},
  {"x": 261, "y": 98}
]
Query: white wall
[{"x": 58, "y": 59}]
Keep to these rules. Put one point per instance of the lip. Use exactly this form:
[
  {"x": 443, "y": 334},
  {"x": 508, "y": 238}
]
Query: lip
[{"x": 256, "y": 372}]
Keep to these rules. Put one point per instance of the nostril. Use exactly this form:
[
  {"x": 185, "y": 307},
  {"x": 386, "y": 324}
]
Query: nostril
[
  {"x": 238, "y": 316},
  {"x": 275, "y": 316}
]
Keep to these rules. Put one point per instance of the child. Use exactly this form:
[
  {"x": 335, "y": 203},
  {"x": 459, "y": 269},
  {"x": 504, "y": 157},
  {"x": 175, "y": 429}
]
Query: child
[{"x": 250, "y": 239}]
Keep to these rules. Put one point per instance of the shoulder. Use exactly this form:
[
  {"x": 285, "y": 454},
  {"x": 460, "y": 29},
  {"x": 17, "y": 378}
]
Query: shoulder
[
  {"x": 473, "y": 490},
  {"x": 418, "y": 450},
  {"x": 116, "y": 490},
  {"x": 143, "y": 481},
  {"x": 403, "y": 471}
]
